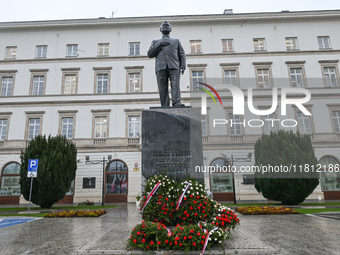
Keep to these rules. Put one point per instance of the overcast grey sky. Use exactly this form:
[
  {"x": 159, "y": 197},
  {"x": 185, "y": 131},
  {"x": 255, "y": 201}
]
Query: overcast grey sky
[{"x": 28, "y": 10}]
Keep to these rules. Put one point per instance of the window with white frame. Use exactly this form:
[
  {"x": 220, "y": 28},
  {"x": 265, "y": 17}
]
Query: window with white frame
[
  {"x": 330, "y": 76},
  {"x": 134, "y": 82},
  {"x": 204, "y": 125},
  {"x": 259, "y": 44},
  {"x": 227, "y": 45},
  {"x": 197, "y": 77},
  {"x": 6, "y": 86},
  {"x": 70, "y": 84},
  {"x": 263, "y": 78},
  {"x": 134, "y": 126},
  {"x": 296, "y": 77},
  {"x": 235, "y": 126},
  {"x": 292, "y": 43},
  {"x": 33, "y": 128},
  {"x": 336, "y": 120},
  {"x": 67, "y": 127},
  {"x": 41, "y": 51},
  {"x": 134, "y": 48},
  {"x": 11, "y": 52},
  {"x": 38, "y": 85},
  {"x": 195, "y": 46},
  {"x": 3, "y": 128},
  {"x": 324, "y": 42},
  {"x": 304, "y": 123},
  {"x": 100, "y": 127},
  {"x": 103, "y": 49},
  {"x": 269, "y": 123},
  {"x": 102, "y": 83},
  {"x": 72, "y": 50},
  {"x": 230, "y": 77}
]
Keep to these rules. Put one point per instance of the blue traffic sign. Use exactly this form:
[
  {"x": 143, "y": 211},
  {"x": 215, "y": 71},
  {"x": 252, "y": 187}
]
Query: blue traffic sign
[{"x": 32, "y": 167}]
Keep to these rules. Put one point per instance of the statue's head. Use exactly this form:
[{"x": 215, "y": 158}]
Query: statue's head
[{"x": 165, "y": 28}]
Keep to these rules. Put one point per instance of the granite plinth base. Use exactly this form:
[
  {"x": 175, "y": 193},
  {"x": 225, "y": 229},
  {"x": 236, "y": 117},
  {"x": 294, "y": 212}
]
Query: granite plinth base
[{"x": 172, "y": 143}]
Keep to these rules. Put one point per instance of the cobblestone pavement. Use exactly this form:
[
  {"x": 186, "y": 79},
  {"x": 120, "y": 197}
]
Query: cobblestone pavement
[{"x": 274, "y": 234}]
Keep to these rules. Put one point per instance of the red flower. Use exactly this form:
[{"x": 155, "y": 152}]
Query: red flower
[
  {"x": 147, "y": 247},
  {"x": 195, "y": 202},
  {"x": 202, "y": 242},
  {"x": 176, "y": 238},
  {"x": 203, "y": 207},
  {"x": 198, "y": 197},
  {"x": 143, "y": 221},
  {"x": 164, "y": 212},
  {"x": 143, "y": 240},
  {"x": 188, "y": 215},
  {"x": 192, "y": 231},
  {"x": 166, "y": 241},
  {"x": 175, "y": 242},
  {"x": 185, "y": 198},
  {"x": 203, "y": 237},
  {"x": 151, "y": 243},
  {"x": 158, "y": 242},
  {"x": 172, "y": 203},
  {"x": 198, "y": 234},
  {"x": 195, "y": 214},
  {"x": 160, "y": 196},
  {"x": 180, "y": 244},
  {"x": 199, "y": 208},
  {"x": 191, "y": 196},
  {"x": 191, "y": 208},
  {"x": 185, "y": 238},
  {"x": 203, "y": 211},
  {"x": 190, "y": 237},
  {"x": 194, "y": 244},
  {"x": 143, "y": 226},
  {"x": 133, "y": 229},
  {"x": 167, "y": 199},
  {"x": 134, "y": 240},
  {"x": 138, "y": 233},
  {"x": 170, "y": 243},
  {"x": 185, "y": 212}
]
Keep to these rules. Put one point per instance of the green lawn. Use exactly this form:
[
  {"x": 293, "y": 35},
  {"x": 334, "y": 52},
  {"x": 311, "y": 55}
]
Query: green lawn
[
  {"x": 279, "y": 204},
  {"x": 25, "y": 215},
  {"x": 87, "y": 207},
  {"x": 322, "y": 210}
]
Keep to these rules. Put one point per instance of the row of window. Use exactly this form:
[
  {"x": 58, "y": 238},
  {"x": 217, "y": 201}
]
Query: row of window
[
  {"x": 134, "y": 78},
  {"x": 100, "y": 125},
  {"x": 195, "y": 47}
]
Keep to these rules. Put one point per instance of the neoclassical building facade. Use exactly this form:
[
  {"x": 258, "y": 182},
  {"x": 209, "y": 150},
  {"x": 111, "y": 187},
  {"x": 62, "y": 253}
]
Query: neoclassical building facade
[{"x": 90, "y": 79}]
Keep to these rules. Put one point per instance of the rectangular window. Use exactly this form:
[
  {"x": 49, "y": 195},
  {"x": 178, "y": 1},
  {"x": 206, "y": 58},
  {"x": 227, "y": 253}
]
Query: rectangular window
[
  {"x": 134, "y": 126},
  {"x": 67, "y": 127},
  {"x": 6, "y": 86},
  {"x": 38, "y": 85},
  {"x": 292, "y": 43},
  {"x": 296, "y": 77},
  {"x": 195, "y": 46},
  {"x": 103, "y": 49},
  {"x": 204, "y": 125},
  {"x": 304, "y": 123},
  {"x": 248, "y": 179},
  {"x": 330, "y": 77},
  {"x": 263, "y": 78},
  {"x": 134, "y": 48},
  {"x": 11, "y": 52},
  {"x": 3, "y": 129},
  {"x": 259, "y": 44},
  {"x": 102, "y": 82},
  {"x": 227, "y": 45},
  {"x": 323, "y": 42},
  {"x": 70, "y": 84},
  {"x": 72, "y": 50},
  {"x": 230, "y": 77},
  {"x": 268, "y": 126},
  {"x": 134, "y": 82},
  {"x": 235, "y": 126},
  {"x": 100, "y": 127},
  {"x": 33, "y": 128},
  {"x": 336, "y": 120},
  {"x": 41, "y": 51},
  {"x": 197, "y": 76}
]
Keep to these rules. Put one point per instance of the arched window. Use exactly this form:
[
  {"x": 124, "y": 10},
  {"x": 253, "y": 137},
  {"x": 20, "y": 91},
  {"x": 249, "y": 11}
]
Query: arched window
[
  {"x": 116, "y": 178},
  {"x": 10, "y": 180},
  {"x": 330, "y": 177},
  {"x": 221, "y": 181}
]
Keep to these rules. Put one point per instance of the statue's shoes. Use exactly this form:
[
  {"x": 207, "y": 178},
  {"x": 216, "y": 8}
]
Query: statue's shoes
[{"x": 179, "y": 105}]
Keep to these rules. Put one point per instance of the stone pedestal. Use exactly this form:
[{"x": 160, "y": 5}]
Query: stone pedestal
[{"x": 172, "y": 142}]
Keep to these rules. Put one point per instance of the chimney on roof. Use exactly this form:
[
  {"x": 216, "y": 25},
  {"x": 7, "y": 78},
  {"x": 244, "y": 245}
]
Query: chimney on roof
[{"x": 228, "y": 11}]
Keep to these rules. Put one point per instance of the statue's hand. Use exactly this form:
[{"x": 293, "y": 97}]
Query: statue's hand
[
  {"x": 165, "y": 42},
  {"x": 182, "y": 69}
]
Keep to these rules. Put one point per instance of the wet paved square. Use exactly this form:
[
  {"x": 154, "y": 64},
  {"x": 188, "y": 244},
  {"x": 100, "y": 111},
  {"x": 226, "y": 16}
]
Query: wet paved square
[{"x": 257, "y": 234}]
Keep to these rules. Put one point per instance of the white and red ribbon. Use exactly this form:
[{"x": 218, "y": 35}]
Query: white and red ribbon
[
  {"x": 181, "y": 197},
  {"x": 169, "y": 232},
  {"x": 153, "y": 191},
  {"x": 206, "y": 241}
]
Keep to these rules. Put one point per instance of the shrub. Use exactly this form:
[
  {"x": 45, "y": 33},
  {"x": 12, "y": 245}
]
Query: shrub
[{"x": 257, "y": 210}]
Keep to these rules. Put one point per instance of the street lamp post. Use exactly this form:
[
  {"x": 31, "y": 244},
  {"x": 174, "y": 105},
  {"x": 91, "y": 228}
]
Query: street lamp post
[
  {"x": 104, "y": 161},
  {"x": 232, "y": 159}
]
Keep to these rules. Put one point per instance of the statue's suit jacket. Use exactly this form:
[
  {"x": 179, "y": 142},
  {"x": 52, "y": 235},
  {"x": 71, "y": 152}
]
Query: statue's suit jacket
[{"x": 171, "y": 56}]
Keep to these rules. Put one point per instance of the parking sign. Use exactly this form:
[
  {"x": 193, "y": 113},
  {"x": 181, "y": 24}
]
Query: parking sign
[{"x": 32, "y": 168}]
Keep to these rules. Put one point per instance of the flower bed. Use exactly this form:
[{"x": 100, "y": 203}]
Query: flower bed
[
  {"x": 257, "y": 210},
  {"x": 75, "y": 213},
  {"x": 200, "y": 222}
]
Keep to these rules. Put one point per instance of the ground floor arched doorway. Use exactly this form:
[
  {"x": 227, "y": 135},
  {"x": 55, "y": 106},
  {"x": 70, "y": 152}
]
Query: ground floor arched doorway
[
  {"x": 116, "y": 182},
  {"x": 9, "y": 184}
]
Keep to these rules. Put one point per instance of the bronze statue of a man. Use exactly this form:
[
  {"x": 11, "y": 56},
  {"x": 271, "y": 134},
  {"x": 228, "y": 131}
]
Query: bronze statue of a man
[{"x": 170, "y": 62}]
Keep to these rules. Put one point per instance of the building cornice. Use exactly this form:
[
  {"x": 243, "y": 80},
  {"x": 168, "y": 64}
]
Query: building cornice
[{"x": 142, "y": 21}]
